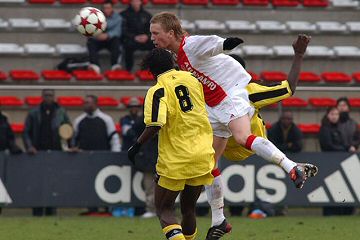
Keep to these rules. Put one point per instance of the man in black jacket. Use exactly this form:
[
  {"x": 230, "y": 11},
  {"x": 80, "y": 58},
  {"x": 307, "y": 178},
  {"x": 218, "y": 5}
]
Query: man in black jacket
[
  {"x": 136, "y": 31},
  {"x": 41, "y": 132},
  {"x": 285, "y": 134}
]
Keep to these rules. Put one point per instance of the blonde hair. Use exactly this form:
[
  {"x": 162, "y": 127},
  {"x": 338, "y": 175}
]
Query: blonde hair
[{"x": 169, "y": 21}]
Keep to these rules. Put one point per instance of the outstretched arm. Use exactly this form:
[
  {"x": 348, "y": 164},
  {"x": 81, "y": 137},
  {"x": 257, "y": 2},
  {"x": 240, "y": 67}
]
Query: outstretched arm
[{"x": 299, "y": 45}]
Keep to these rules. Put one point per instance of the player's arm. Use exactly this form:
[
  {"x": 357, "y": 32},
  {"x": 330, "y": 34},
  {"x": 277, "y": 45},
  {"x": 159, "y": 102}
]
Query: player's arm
[
  {"x": 208, "y": 46},
  {"x": 154, "y": 117},
  {"x": 299, "y": 45}
]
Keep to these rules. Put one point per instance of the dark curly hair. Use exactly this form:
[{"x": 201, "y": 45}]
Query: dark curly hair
[{"x": 158, "y": 61}]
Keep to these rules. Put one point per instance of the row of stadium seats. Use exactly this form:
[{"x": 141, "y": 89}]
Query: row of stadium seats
[
  {"x": 66, "y": 101},
  {"x": 352, "y": 4},
  {"x": 258, "y": 3},
  {"x": 122, "y": 75},
  {"x": 305, "y": 128},
  {"x": 46, "y": 24},
  {"x": 107, "y": 101},
  {"x": 80, "y": 75},
  {"x": 246, "y": 50}
]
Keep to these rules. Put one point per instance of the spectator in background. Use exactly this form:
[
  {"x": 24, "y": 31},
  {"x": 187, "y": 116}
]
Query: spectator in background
[
  {"x": 7, "y": 137},
  {"x": 285, "y": 134},
  {"x": 330, "y": 136},
  {"x": 41, "y": 132},
  {"x": 348, "y": 127},
  {"x": 110, "y": 39},
  {"x": 332, "y": 139},
  {"x": 132, "y": 126},
  {"x": 136, "y": 29},
  {"x": 94, "y": 131},
  {"x": 128, "y": 133}
]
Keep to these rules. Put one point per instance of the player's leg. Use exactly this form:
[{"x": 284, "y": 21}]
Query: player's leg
[
  {"x": 240, "y": 128},
  {"x": 188, "y": 199},
  {"x": 165, "y": 210}
]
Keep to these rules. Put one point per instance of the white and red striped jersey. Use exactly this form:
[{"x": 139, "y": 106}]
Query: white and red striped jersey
[{"x": 204, "y": 57}]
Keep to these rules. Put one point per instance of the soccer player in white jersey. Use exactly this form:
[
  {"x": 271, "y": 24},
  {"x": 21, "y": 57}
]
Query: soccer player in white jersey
[{"x": 224, "y": 81}]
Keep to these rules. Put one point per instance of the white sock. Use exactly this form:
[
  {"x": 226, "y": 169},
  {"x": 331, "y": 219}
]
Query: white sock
[
  {"x": 267, "y": 150},
  {"x": 215, "y": 197}
]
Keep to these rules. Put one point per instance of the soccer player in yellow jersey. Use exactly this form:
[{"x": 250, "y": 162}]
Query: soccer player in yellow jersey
[{"x": 175, "y": 108}]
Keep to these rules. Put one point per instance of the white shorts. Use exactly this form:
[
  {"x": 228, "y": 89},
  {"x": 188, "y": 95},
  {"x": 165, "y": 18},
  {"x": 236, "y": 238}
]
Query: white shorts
[{"x": 235, "y": 105}]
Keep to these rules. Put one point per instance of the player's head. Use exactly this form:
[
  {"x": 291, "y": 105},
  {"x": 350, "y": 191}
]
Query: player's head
[
  {"x": 90, "y": 104},
  {"x": 158, "y": 61},
  {"x": 108, "y": 8},
  {"x": 165, "y": 28}
]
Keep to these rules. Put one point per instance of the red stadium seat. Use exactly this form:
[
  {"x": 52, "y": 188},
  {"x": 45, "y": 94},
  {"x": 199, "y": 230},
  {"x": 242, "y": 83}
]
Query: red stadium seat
[
  {"x": 73, "y": 1},
  {"x": 195, "y": 2},
  {"x": 254, "y": 76},
  {"x": 322, "y": 102},
  {"x": 164, "y": 2},
  {"x": 107, "y": 102},
  {"x": 102, "y": 1},
  {"x": 268, "y": 125},
  {"x": 336, "y": 77},
  {"x": 315, "y": 3},
  {"x": 309, "y": 77},
  {"x": 356, "y": 76},
  {"x": 27, "y": 75},
  {"x": 285, "y": 3},
  {"x": 294, "y": 102},
  {"x": 3, "y": 76},
  {"x": 128, "y": 1},
  {"x": 354, "y": 102},
  {"x": 42, "y": 1},
  {"x": 10, "y": 101},
  {"x": 17, "y": 127},
  {"x": 70, "y": 101},
  {"x": 144, "y": 75},
  {"x": 87, "y": 75},
  {"x": 255, "y": 2},
  {"x": 312, "y": 128},
  {"x": 33, "y": 100},
  {"x": 56, "y": 75},
  {"x": 273, "y": 76},
  {"x": 126, "y": 99},
  {"x": 225, "y": 2},
  {"x": 119, "y": 75}
]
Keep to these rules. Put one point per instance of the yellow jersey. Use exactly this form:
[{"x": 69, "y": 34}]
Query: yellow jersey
[
  {"x": 176, "y": 104},
  {"x": 259, "y": 96}
]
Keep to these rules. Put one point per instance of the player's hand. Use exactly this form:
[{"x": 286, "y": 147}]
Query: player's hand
[
  {"x": 300, "y": 44},
  {"x": 231, "y": 43},
  {"x": 133, "y": 150}
]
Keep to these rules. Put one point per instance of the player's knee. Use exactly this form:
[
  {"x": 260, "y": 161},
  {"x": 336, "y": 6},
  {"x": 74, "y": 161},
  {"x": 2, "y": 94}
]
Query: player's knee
[
  {"x": 241, "y": 138},
  {"x": 188, "y": 212}
]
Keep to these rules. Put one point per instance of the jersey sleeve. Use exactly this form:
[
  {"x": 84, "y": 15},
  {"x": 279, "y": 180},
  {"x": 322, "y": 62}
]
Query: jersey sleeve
[
  {"x": 155, "y": 110},
  {"x": 261, "y": 96},
  {"x": 204, "y": 46}
]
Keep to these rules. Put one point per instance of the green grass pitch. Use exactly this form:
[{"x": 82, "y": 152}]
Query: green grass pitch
[{"x": 97, "y": 228}]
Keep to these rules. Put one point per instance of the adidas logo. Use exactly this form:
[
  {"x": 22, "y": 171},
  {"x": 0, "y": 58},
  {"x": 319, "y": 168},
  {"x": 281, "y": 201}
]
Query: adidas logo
[
  {"x": 4, "y": 195},
  {"x": 338, "y": 184}
]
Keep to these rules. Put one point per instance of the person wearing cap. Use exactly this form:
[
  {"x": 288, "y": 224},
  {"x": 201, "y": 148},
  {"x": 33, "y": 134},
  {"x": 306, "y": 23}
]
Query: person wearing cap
[
  {"x": 127, "y": 123},
  {"x": 132, "y": 126}
]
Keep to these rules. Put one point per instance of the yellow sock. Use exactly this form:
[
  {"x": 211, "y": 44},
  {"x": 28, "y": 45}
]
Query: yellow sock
[
  {"x": 191, "y": 237},
  {"x": 173, "y": 232}
]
